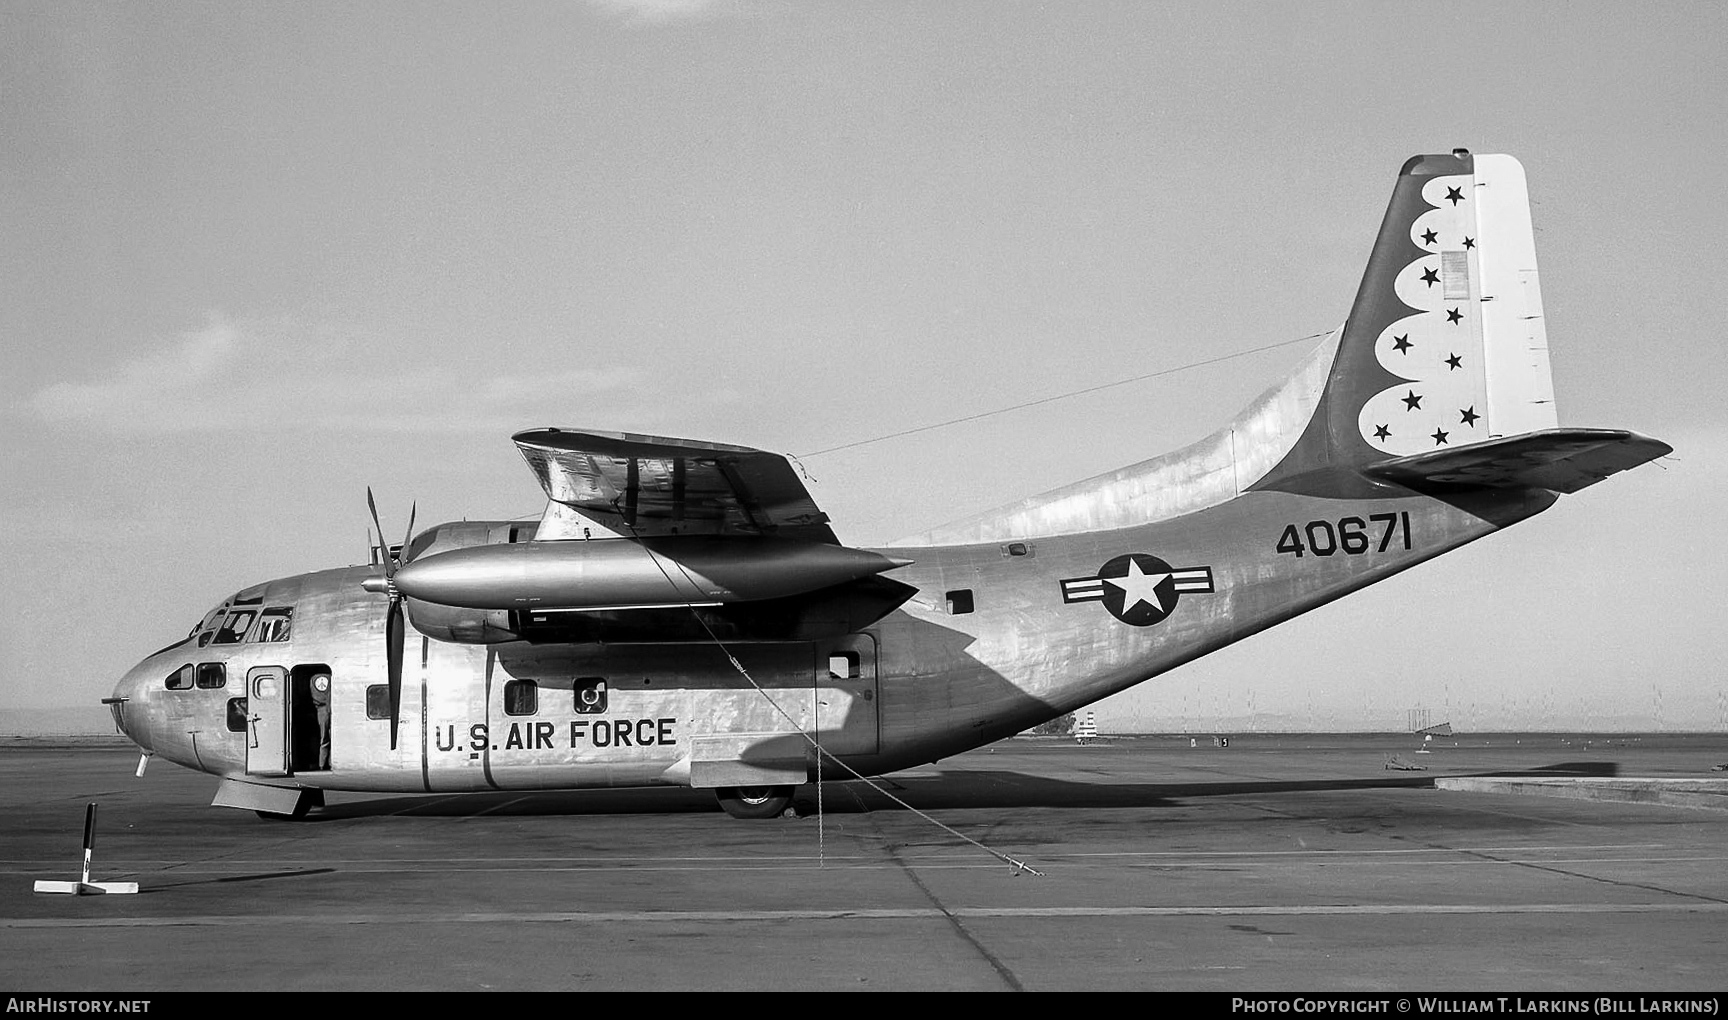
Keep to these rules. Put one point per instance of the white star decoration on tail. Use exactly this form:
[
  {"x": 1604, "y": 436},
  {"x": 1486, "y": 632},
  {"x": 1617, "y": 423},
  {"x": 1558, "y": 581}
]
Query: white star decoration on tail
[{"x": 1138, "y": 587}]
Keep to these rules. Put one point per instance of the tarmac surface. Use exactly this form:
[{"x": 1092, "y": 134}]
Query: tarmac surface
[{"x": 1278, "y": 863}]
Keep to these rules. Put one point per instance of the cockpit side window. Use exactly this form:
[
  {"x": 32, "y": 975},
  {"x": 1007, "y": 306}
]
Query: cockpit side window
[
  {"x": 275, "y": 625},
  {"x": 206, "y": 628},
  {"x": 235, "y": 627}
]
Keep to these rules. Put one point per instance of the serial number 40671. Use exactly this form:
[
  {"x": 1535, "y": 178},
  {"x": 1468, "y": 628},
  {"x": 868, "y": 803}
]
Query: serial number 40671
[{"x": 1350, "y": 535}]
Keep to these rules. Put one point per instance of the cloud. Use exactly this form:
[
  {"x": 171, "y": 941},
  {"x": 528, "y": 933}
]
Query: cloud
[
  {"x": 663, "y": 12},
  {"x": 234, "y": 373},
  {"x": 442, "y": 400},
  {"x": 193, "y": 359}
]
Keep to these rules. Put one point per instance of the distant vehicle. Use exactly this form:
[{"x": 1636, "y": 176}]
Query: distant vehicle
[{"x": 683, "y": 614}]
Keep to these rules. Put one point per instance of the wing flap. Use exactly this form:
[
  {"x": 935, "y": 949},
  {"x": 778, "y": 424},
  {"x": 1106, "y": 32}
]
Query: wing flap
[
  {"x": 644, "y": 486},
  {"x": 1561, "y": 460}
]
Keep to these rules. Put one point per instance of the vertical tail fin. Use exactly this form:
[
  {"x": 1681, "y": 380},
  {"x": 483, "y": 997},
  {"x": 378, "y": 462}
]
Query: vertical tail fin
[
  {"x": 1445, "y": 345},
  {"x": 1441, "y": 376},
  {"x": 1451, "y": 311}
]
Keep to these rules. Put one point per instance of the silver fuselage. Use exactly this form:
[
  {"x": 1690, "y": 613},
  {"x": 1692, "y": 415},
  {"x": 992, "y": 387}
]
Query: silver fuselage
[{"x": 930, "y": 679}]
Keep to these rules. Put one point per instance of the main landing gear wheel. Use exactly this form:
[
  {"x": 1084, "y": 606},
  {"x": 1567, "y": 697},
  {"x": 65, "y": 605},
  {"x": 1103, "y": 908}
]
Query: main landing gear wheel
[{"x": 754, "y": 801}]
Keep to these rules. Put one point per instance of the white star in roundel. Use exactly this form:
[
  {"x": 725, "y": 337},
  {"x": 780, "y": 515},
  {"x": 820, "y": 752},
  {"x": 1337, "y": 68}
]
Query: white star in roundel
[{"x": 1138, "y": 587}]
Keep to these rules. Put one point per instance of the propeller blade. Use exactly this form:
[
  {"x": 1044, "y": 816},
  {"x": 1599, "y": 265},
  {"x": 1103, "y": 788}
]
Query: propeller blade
[
  {"x": 409, "y": 536},
  {"x": 394, "y": 631},
  {"x": 393, "y": 635},
  {"x": 384, "y": 553}
]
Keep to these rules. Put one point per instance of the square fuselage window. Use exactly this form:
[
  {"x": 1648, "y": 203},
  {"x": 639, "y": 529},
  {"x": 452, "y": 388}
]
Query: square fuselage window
[
  {"x": 378, "y": 701},
  {"x": 237, "y": 715},
  {"x": 590, "y": 694},
  {"x": 521, "y": 697},
  {"x": 960, "y": 602}
]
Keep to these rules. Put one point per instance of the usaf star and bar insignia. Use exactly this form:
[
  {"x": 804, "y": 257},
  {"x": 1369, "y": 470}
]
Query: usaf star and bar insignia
[{"x": 1138, "y": 589}]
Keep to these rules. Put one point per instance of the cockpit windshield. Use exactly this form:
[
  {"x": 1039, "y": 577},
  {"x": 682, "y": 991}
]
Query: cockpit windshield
[
  {"x": 230, "y": 624},
  {"x": 234, "y": 628}
]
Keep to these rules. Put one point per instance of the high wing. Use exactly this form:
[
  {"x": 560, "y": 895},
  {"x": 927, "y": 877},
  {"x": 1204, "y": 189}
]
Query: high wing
[{"x": 640, "y": 486}]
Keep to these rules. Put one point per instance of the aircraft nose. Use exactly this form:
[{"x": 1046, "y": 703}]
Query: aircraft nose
[{"x": 129, "y": 707}]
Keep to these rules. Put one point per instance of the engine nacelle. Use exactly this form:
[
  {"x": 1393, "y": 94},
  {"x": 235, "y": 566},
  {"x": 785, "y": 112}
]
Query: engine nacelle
[
  {"x": 461, "y": 626},
  {"x": 451, "y": 623},
  {"x": 485, "y": 582},
  {"x": 618, "y": 573}
]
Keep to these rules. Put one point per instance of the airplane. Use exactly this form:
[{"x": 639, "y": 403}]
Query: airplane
[{"x": 683, "y": 614}]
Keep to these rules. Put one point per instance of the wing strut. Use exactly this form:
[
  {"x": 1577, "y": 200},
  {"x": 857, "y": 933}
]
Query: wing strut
[{"x": 1018, "y": 866}]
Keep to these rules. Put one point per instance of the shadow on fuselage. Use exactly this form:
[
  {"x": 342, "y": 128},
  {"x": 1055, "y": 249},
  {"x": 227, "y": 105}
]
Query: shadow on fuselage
[{"x": 950, "y": 791}]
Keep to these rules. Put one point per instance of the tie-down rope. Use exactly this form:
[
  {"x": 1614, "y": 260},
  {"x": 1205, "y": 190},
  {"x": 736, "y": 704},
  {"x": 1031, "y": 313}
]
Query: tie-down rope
[{"x": 821, "y": 849}]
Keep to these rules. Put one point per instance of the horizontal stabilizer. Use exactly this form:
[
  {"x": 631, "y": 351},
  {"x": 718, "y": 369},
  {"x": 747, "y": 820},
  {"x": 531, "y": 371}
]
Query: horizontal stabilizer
[{"x": 1561, "y": 460}]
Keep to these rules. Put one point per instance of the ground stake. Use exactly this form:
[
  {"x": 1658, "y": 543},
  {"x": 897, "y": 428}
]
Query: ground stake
[{"x": 85, "y": 887}]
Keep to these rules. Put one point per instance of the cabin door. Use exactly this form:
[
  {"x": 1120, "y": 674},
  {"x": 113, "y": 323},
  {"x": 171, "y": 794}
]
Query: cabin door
[
  {"x": 267, "y": 721},
  {"x": 846, "y": 705}
]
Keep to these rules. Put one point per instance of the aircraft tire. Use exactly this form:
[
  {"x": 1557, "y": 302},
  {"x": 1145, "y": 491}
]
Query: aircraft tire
[{"x": 754, "y": 801}]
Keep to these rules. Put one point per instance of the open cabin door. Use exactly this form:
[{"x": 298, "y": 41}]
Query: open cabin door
[
  {"x": 267, "y": 721},
  {"x": 846, "y": 710}
]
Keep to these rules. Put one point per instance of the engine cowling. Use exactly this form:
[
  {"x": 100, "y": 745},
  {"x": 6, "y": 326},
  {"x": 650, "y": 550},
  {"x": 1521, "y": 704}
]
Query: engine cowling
[
  {"x": 465, "y": 626},
  {"x": 618, "y": 573},
  {"x": 461, "y": 626}
]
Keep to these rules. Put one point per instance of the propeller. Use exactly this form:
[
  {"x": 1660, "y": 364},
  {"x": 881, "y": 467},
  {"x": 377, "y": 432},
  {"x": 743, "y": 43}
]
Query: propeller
[{"x": 394, "y": 628}]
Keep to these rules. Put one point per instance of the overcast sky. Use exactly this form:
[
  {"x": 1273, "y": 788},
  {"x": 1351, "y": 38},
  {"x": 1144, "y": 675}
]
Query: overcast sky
[{"x": 259, "y": 256}]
